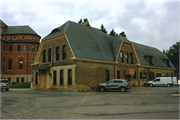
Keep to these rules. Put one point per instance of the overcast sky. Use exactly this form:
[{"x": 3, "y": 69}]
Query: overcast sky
[{"x": 153, "y": 22}]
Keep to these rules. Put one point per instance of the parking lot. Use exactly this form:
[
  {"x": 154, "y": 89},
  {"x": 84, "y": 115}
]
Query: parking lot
[{"x": 137, "y": 103}]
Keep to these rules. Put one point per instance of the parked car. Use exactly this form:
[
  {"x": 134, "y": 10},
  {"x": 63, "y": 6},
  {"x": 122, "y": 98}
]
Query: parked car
[
  {"x": 163, "y": 81},
  {"x": 119, "y": 84},
  {"x": 4, "y": 84}
]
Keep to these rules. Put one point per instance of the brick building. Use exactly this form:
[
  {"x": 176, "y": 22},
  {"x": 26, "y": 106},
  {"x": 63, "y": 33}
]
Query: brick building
[
  {"x": 79, "y": 54},
  {"x": 19, "y": 46}
]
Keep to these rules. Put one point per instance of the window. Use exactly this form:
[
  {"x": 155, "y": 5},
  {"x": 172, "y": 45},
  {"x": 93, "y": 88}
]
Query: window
[
  {"x": 156, "y": 80},
  {"x": 44, "y": 56},
  {"x": 32, "y": 38},
  {"x": 3, "y": 68},
  {"x": 149, "y": 59},
  {"x": 131, "y": 57},
  {"x": 20, "y": 64},
  {"x": 54, "y": 77},
  {"x": 5, "y": 38},
  {"x": 118, "y": 74},
  {"x": 107, "y": 75},
  {"x": 3, "y": 59},
  {"x": 64, "y": 52},
  {"x": 37, "y": 48},
  {"x": 24, "y": 47},
  {"x": 14, "y": 38},
  {"x": 9, "y": 79},
  {"x": 4, "y": 47},
  {"x": 126, "y": 56},
  {"x": 61, "y": 77},
  {"x": 32, "y": 48},
  {"x": 17, "y": 80},
  {"x": 22, "y": 80},
  {"x": 117, "y": 81},
  {"x": 166, "y": 61},
  {"x": 140, "y": 75},
  {"x": 69, "y": 77},
  {"x": 122, "y": 57},
  {"x": 10, "y": 48},
  {"x": 57, "y": 53},
  {"x": 36, "y": 78},
  {"x": 19, "y": 48},
  {"x": 22, "y": 37},
  {"x": 144, "y": 75},
  {"x": 49, "y": 55},
  {"x": 10, "y": 65},
  {"x": 134, "y": 74}
]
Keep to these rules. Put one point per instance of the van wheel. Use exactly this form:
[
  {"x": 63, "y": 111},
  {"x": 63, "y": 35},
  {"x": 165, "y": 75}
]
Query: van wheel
[
  {"x": 151, "y": 85},
  {"x": 122, "y": 89},
  {"x": 7, "y": 89},
  {"x": 102, "y": 89},
  {"x": 168, "y": 85}
]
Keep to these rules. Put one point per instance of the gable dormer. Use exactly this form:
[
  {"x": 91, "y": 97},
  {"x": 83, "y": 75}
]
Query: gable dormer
[{"x": 149, "y": 59}]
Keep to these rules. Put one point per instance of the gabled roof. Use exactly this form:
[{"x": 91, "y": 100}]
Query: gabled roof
[
  {"x": 3, "y": 23},
  {"x": 19, "y": 30},
  {"x": 91, "y": 43}
]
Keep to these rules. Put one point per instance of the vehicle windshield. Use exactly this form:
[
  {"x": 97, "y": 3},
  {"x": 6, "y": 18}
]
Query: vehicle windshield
[{"x": 4, "y": 81}]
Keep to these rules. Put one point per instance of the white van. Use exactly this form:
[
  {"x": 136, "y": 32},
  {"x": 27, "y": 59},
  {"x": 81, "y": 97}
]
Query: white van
[{"x": 163, "y": 81}]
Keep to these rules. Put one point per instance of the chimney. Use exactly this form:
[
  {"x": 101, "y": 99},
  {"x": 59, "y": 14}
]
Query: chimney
[{"x": 86, "y": 22}]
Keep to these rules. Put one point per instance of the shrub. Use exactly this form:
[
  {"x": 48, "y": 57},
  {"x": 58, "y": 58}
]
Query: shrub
[{"x": 21, "y": 85}]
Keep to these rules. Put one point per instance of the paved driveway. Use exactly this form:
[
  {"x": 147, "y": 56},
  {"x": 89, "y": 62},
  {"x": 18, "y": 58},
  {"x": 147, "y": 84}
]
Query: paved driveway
[{"x": 137, "y": 103}]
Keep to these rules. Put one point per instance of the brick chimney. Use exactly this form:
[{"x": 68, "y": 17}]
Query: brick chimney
[{"x": 86, "y": 22}]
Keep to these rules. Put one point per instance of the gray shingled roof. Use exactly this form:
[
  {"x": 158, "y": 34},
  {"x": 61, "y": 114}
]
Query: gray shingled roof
[
  {"x": 19, "y": 30},
  {"x": 91, "y": 43},
  {"x": 158, "y": 56}
]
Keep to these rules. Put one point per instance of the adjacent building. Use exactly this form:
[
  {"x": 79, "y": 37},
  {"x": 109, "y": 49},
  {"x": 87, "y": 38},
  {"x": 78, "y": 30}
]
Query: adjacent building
[
  {"x": 75, "y": 54},
  {"x": 19, "y": 46}
]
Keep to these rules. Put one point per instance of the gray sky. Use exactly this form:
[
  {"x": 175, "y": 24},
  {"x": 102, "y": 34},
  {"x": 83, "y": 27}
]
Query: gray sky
[{"x": 152, "y": 22}]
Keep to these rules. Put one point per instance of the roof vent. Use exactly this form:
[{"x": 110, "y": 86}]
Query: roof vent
[{"x": 86, "y": 22}]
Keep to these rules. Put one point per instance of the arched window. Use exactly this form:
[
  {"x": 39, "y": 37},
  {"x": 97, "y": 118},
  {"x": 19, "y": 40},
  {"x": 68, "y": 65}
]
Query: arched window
[
  {"x": 20, "y": 64},
  {"x": 19, "y": 48},
  {"x": 10, "y": 48},
  {"x": 24, "y": 47},
  {"x": 10, "y": 65},
  {"x": 32, "y": 38},
  {"x": 32, "y": 48}
]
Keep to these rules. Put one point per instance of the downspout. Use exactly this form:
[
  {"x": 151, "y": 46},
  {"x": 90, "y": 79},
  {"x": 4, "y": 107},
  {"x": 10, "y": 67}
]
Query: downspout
[{"x": 27, "y": 61}]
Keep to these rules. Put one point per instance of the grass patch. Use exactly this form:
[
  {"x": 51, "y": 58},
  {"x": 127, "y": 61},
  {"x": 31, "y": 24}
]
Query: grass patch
[{"x": 21, "y": 85}]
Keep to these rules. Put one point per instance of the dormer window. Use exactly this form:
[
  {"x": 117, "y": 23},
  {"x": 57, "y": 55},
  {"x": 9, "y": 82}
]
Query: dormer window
[
  {"x": 55, "y": 30},
  {"x": 149, "y": 59},
  {"x": 22, "y": 37},
  {"x": 166, "y": 61}
]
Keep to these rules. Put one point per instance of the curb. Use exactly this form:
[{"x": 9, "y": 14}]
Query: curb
[{"x": 19, "y": 89}]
